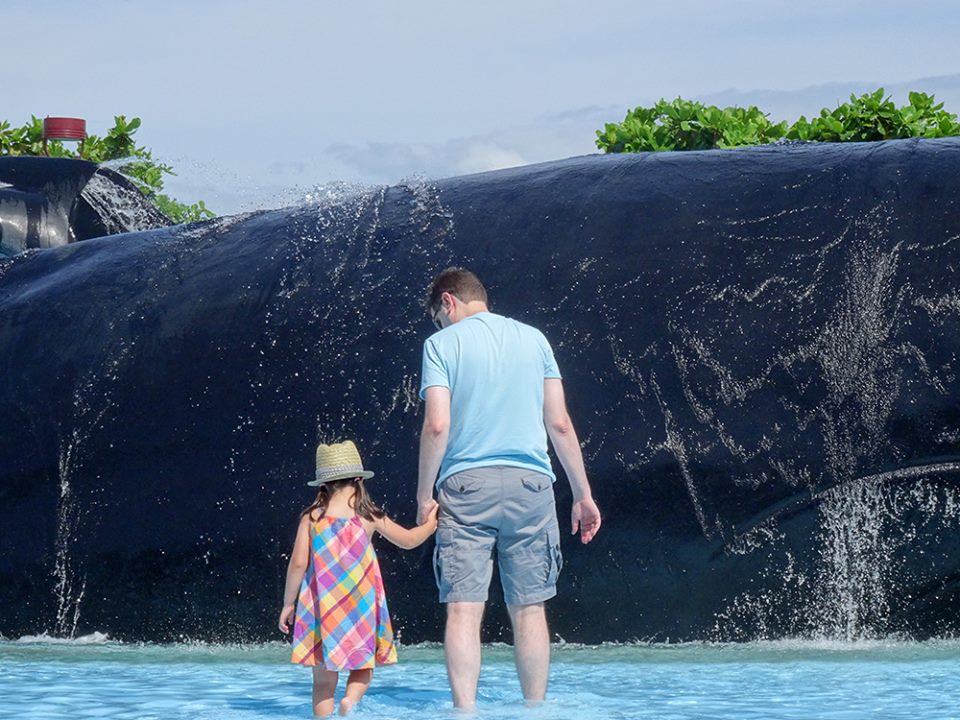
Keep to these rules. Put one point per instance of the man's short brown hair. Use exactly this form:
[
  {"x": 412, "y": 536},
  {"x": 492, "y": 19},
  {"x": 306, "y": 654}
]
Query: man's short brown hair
[{"x": 459, "y": 282}]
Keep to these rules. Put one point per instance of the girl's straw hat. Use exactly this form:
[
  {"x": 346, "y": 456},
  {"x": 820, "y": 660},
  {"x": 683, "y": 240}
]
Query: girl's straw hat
[{"x": 338, "y": 462}]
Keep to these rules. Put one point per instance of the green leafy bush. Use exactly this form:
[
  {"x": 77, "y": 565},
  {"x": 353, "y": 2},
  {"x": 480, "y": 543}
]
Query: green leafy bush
[
  {"x": 118, "y": 144},
  {"x": 689, "y": 125},
  {"x": 873, "y": 117}
]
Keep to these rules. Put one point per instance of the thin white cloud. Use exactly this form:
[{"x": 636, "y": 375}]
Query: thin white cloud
[
  {"x": 519, "y": 145},
  {"x": 484, "y": 156}
]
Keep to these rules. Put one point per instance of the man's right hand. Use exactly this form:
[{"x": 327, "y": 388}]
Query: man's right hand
[
  {"x": 423, "y": 513},
  {"x": 585, "y": 517}
]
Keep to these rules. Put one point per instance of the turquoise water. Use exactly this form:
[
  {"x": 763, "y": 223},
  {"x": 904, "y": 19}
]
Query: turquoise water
[{"x": 94, "y": 677}]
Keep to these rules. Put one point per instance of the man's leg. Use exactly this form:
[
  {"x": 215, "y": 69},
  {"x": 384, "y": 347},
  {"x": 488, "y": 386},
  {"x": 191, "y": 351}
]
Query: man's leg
[
  {"x": 528, "y": 548},
  {"x": 463, "y": 563},
  {"x": 461, "y": 645},
  {"x": 531, "y": 647}
]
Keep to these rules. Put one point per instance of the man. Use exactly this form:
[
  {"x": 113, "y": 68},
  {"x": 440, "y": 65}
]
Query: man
[{"x": 493, "y": 393}]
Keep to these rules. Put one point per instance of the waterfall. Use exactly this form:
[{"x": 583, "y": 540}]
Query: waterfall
[
  {"x": 76, "y": 520},
  {"x": 119, "y": 206},
  {"x": 866, "y": 527},
  {"x": 68, "y": 588}
]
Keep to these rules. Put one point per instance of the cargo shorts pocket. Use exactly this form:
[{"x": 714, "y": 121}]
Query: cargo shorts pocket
[
  {"x": 536, "y": 491},
  {"x": 530, "y": 575},
  {"x": 536, "y": 482},
  {"x": 459, "y": 494},
  {"x": 463, "y": 483},
  {"x": 436, "y": 566},
  {"x": 447, "y": 569},
  {"x": 461, "y": 573},
  {"x": 555, "y": 559}
]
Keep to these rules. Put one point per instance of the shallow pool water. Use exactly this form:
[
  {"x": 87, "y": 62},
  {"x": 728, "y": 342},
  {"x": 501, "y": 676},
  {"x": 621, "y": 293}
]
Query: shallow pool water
[{"x": 95, "y": 677}]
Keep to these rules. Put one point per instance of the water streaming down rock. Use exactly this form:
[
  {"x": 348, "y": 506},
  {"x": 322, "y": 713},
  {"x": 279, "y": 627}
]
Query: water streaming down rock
[
  {"x": 865, "y": 524},
  {"x": 870, "y": 529},
  {"x": 78, "y": 504},
  {"x": 759, "y": 349},
  {"x": 880, "y": 549},
  {"x": 118, "y": 205},
  {"x": 67, "y": 589}
]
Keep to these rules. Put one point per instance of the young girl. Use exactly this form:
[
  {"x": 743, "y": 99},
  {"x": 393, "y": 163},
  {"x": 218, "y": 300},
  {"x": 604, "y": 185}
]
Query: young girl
[{"x": 334, "y": 587}]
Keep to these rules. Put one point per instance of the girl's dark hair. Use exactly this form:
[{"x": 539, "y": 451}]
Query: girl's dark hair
[{"x": 360, "y": 502}]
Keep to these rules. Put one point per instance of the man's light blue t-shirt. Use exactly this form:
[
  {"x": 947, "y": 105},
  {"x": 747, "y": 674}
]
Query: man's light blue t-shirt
[{"x": 494, "y": 368}]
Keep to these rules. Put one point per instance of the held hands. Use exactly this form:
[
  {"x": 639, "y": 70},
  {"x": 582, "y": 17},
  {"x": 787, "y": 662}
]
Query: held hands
[
  {"x": 431, "y": 518},
  {"x": 286, "y": 618},
  {"x": 585, "y": 516},
  {"x": 424, "y": 511},
  {"x": 409, "y": 538}
]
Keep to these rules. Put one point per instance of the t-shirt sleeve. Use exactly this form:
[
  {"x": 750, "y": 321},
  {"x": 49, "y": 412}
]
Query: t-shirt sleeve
[
  {"x": 550, "y": 368},
  {"x": 434, "y": 371}
]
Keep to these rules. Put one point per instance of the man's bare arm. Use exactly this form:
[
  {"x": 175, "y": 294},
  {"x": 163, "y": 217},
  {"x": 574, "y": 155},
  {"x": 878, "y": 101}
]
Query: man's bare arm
[
  {"x": 585, "y": 516},
  {"x": 433, "y": 445}
]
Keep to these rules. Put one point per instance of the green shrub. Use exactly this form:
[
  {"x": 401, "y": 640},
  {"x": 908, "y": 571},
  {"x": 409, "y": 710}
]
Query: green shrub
[
  {"x": 118, "y": 144},
  {"x": 873, "y": 117},
  {"x": 689, "y": 125}
]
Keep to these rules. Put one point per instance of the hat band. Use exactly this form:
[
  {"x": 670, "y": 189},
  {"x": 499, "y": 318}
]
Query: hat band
[{"x": 339, "y": 471}]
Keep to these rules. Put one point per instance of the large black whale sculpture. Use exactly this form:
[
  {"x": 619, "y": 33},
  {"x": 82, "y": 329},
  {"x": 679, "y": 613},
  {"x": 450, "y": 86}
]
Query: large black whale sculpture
[{"x": 760, "y": 350}]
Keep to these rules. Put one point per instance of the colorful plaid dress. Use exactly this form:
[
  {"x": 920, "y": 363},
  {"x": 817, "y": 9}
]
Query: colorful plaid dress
[{"x": 342, "y": 621}]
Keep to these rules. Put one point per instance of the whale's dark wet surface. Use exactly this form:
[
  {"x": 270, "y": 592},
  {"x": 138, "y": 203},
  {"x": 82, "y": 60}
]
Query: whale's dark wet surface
[{"x": 759, "y": 349}]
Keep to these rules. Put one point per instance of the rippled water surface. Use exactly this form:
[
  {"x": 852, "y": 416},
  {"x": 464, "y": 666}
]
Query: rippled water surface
[{"x": 94, "y": 677}]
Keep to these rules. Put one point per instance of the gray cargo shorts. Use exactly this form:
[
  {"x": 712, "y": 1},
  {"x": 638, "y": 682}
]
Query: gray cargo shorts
[{"x": 508, "y": 509}]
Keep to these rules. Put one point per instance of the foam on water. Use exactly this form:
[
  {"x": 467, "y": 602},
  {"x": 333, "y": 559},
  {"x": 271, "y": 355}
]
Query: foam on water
[{"x": 45, "y": 639}]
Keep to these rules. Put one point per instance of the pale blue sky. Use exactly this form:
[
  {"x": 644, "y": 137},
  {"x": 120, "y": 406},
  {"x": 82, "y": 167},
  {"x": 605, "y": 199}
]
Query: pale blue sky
[{"x": 248, "y": 99}]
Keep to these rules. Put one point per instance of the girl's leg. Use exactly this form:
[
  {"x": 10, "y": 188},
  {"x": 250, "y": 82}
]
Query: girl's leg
[
  {"x": 357, "y": 684},
  {"x": 324, "y": 685}
]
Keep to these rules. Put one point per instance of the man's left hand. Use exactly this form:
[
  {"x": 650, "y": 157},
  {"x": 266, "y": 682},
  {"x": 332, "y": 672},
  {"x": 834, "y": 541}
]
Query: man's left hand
[{"x": 585, "y": 517}]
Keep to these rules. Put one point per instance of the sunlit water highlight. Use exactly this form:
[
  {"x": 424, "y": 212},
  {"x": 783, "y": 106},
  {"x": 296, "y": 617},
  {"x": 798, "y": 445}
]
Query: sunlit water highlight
[{"x": 95, "y": 677}]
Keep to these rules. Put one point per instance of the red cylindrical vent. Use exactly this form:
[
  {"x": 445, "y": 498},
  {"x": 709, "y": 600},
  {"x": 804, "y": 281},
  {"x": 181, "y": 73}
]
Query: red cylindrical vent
[{"x": 64, "y": 128}]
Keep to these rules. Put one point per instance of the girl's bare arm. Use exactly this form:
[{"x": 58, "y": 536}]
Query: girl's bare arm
[
  {"x": 296, "y": 569},
  {"x": 401, "y": 536}
]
